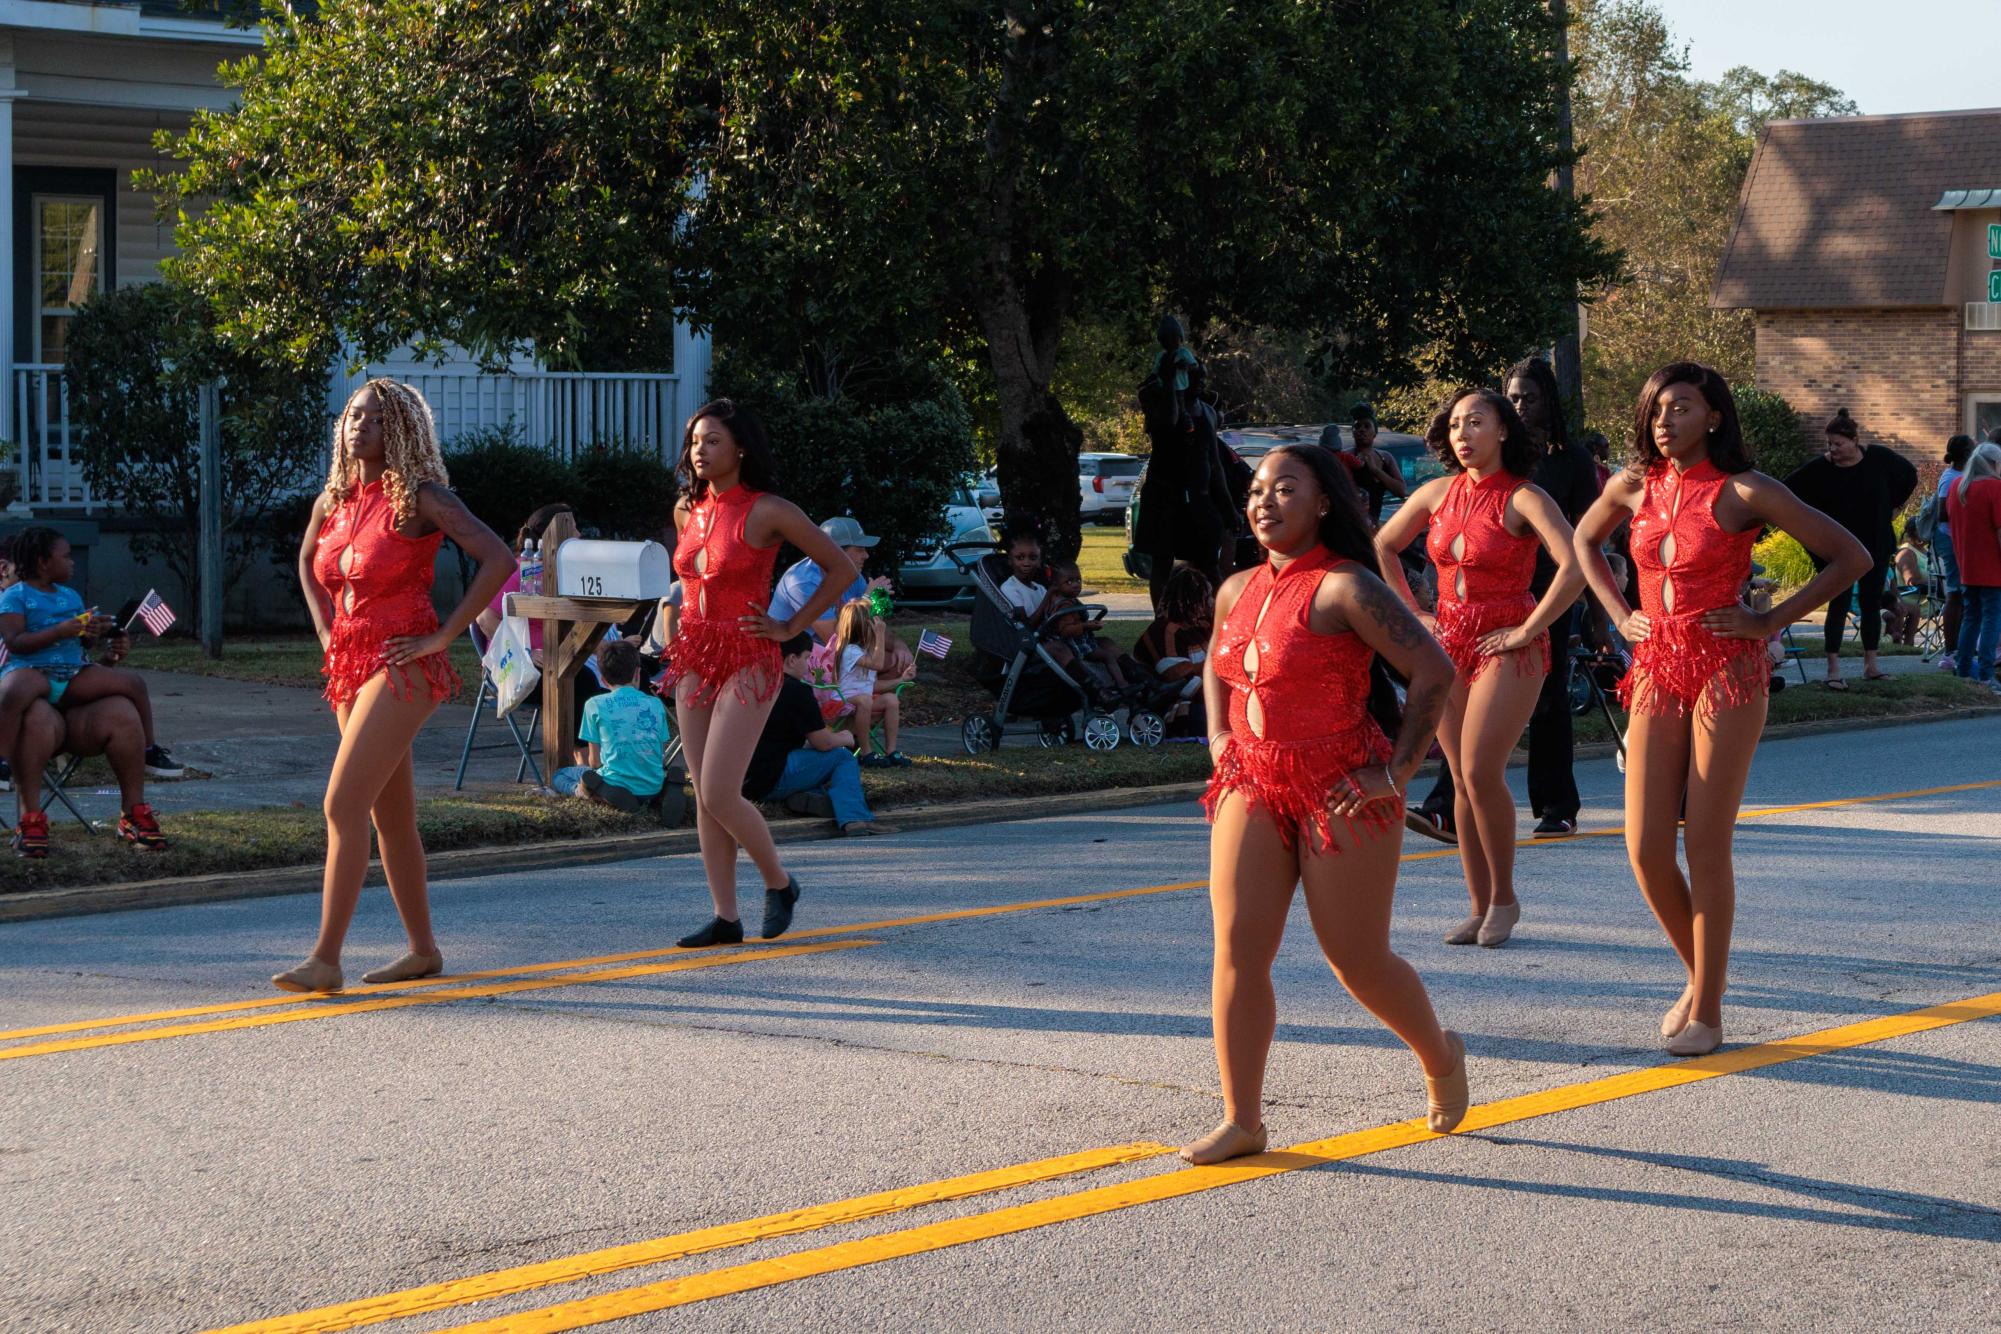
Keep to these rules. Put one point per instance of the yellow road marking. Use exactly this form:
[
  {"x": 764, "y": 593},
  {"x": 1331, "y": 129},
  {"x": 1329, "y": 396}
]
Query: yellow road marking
[
  {"x": 922, "y": 919},
  {"x": 520, "y": 970},
  {"x": 526, "y": 1278},
  {"x": 336, "y": 1009},
  {"x": 1101, "y": 1200}
]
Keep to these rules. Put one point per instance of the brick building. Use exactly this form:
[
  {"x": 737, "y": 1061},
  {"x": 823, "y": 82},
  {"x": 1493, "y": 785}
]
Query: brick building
[{"x": 1862, "y": 248}]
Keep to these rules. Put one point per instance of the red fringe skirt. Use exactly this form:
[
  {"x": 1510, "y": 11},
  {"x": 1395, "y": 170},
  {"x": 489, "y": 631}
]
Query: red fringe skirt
[
  {"x": 716, "y": 652},
  {"x": 1292, "y": 781},
  {"x": 1681, "y": 668},
  {"x": 355, "y": 654},
  {"x": 1462, "y": 625}
]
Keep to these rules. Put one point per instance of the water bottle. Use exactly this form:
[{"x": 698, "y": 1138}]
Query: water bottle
[{"x": 531, "y": 569}]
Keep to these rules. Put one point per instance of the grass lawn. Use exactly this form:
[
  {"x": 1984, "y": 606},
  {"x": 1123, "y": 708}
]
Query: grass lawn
[
  {"x": 206, "y": 842},
  {"x": 288, "y": 661},
  {"x": 1101, "y": 561}
]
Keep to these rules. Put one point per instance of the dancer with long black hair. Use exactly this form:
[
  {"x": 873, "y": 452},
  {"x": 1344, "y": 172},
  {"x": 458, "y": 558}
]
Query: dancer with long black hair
[
  {"x": 724, "y": 666},
  {"x": 1697, "y": 689},
  {"x": 1307, "y": 789},
  {"x": 1487, "y": 524},
  {"x": 366, "y": 563}
]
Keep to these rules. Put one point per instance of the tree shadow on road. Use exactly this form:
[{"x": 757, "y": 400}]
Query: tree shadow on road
[{"x": 1836, "y": 1203}]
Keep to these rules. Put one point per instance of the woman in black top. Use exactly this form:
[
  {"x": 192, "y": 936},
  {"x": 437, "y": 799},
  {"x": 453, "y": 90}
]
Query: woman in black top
[{"x": 1862, "y": 487}]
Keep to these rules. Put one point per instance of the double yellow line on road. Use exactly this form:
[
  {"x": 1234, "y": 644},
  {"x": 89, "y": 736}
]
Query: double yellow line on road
[
  {"x": 1082, "y": 1204},
  {"x": 607, "y": 968}
]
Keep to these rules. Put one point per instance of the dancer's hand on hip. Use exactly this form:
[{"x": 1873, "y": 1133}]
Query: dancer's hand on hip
[{"x": 398, "y": 650}]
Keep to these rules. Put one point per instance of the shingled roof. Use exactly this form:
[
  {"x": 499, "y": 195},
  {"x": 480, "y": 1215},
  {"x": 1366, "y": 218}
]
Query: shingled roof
[{"x": 1839, "y": 212}]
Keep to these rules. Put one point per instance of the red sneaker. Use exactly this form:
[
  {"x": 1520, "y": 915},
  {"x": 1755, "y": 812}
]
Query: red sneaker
[
  {"x": 31, "y": 836},
  {"x": 137, "y": 827}
]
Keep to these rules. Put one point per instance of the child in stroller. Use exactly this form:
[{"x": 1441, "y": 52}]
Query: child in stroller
[
  {"x": 1031, "y": 668},
  {"x": 1077, "y": 630}
]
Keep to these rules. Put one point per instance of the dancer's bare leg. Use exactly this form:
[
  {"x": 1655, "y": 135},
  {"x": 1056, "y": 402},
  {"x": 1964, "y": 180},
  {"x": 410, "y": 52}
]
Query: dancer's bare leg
[
  {"x": 1724, "y": 747},
  {"x": 375, "y": 735},
  {"x": 1496, "y": 713},
  {"x": 1251, "y": 878}
]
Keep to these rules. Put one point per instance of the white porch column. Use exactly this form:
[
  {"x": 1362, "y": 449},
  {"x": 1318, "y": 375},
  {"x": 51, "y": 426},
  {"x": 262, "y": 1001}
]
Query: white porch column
[
  {"x": 691, "y": 370},
  {"x": 8, "y": 92}
]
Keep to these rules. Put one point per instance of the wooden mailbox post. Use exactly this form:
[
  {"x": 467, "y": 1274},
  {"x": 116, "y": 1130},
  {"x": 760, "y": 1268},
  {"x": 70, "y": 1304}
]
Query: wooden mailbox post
[{"x": 571, "y": 629}]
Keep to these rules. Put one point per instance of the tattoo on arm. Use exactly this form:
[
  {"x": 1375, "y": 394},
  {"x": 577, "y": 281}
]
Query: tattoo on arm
[
  {"x": 1389, "y": 612},
  {"x": 1421, "y": 711}
]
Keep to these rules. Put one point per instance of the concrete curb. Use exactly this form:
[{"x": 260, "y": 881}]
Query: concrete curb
[{"x": 36, "y": 904}]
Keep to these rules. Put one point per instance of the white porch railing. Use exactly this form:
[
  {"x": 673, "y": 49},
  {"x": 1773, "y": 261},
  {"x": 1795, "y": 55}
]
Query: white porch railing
[
  {"x": 47, "y": 459},
  {"x": 565, "y": 412},
  {"x": 562, "y": 411}
]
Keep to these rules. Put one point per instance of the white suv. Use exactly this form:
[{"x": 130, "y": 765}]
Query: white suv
[{"x": 1105, "y": 485}]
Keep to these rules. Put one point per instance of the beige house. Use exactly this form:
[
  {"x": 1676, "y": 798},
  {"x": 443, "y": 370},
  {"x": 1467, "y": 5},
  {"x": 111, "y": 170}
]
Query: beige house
[
  {"x": 1864, "y": 245},
  {"x": 84, "y": 87}
]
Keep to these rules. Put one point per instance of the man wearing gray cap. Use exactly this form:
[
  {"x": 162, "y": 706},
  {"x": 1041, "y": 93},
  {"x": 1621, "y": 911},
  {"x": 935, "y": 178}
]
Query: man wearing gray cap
[{"x": 798, "y": 584}]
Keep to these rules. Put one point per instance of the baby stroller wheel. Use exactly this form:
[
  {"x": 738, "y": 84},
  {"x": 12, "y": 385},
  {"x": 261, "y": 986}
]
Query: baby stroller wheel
[
  {"x": 1580, "y": 691},
  {"x": 1144, "y": 727},
  {"x": 1101, "y": 732},
  {"x": 1054, "y": 732},
  {"x": 979, "y": 735}
]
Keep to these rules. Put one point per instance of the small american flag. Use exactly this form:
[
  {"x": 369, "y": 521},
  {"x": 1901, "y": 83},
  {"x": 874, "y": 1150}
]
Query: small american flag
[
  {"x": 937, "y": 645},
  {"x": 157, "y": 615}
]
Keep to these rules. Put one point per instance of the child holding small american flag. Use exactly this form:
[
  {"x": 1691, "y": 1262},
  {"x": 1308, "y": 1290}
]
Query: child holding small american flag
[{"x": 44, "y": 627}]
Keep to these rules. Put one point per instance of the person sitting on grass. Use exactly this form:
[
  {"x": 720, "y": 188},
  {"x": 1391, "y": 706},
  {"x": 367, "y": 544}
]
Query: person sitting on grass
[
  {"x": 44, "y": 627},
  {"x": 801, "y": 762},
  {"x": 1174, "y": 646},
  {"x": 859, "y": 658},
  {"x": 626, "y": 731},
  {"x": 1080, "y": 635}
]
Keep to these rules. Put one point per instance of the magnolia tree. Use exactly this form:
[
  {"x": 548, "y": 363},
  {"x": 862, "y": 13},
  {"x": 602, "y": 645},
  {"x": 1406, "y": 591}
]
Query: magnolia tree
[{"x": 845, "y": 188}]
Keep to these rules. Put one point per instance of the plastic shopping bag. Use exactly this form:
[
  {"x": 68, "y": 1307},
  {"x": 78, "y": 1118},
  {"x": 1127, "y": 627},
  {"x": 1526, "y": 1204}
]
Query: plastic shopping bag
[{"x": 509, "y": 665}]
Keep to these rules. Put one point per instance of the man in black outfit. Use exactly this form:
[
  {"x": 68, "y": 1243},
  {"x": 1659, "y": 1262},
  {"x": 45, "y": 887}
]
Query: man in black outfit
[{"x": 1569, "y": 475}]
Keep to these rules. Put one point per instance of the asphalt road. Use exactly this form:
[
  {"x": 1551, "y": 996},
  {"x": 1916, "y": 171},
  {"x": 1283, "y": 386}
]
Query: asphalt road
[{"x": 228, "y": 1168}]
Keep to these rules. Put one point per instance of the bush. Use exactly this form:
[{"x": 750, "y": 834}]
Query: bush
[
  {"x": 1784, "y": 559},
  {"x": 890, "y": 455},
  {"x": 626, "y": 495},
  {"x": 502, "y": 479},
  {"x": 137, "y": 360},
  {"x": 1772, "y": 430}
]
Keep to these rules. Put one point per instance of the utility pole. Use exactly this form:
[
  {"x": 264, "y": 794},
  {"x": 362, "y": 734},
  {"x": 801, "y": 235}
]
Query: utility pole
[
  {"x": 1566, "y": 353},
  {"x": 208, "y": 561}
]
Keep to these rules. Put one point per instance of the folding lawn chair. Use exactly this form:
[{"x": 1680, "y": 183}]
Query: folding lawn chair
[
  {"x": 58, "y": 773},
  {"x": 516, "y": 739}
]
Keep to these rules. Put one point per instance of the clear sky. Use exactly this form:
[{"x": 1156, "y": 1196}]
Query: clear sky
[{"x": 1889, "y": 55}]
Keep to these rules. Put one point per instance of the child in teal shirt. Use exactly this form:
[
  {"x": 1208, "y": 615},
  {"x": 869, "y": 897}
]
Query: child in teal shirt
[{"x": 626, "y": 730}]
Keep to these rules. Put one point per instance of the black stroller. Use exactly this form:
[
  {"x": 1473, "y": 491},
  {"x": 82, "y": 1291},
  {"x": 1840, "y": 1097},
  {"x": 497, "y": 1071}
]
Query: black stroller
[{"x": 1012, "y": 659}]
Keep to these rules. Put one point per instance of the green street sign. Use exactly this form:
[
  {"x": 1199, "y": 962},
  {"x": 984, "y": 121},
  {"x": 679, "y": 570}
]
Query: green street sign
[
  {"x": 1994, "y": 286},
  {"x": 1994, "y": 240}
]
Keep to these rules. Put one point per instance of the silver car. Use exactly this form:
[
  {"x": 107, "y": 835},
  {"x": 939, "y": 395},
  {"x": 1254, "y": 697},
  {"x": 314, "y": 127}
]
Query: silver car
[{"x": 928, "y": 577}]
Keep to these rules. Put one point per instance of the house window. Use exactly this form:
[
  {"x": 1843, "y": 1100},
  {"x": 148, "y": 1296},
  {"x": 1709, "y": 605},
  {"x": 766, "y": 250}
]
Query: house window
[
  {"x": 1983, "y": 416},
  {"x": 68, "y": 259}
]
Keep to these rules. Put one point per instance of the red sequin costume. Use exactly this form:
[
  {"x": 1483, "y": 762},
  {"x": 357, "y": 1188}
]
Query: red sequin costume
[
  {"x": 384, "y": 591},
  {"x": 1497, "y": 567},
  {"x": 1679, "y": 665},
  {"x": 1314, "y": 690},
  {"x": 733, "y": 581}
]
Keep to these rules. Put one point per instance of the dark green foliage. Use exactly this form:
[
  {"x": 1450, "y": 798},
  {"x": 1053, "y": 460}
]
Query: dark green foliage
[
  {"x": 626, "y": 495},
  {"x": 138, "y": 358},
  {"x": 891, "y": 460},
  {"x": 502, "y": 479},
  {"x": 1772, "y": 430}
]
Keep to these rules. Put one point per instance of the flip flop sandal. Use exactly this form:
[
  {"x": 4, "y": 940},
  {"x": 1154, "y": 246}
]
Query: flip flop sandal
[
  {"x": 1876, "y": 676},
  {"x": 1836, "y": 684}
]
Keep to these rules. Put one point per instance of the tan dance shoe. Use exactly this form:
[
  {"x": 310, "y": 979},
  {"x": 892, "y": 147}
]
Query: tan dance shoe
[
  {"x": 1696, "y": 1039},
  {"x": 1467, "y": 931},
  {"x": 1446, "y": 1098},
  {"x": 1228, "y": 1140},
  {"x": 1677, "y": 1017},
  {"x": 408, "y": 968},
  {"x": 1499, "y": 923},
  {"x": 312, "y": 975}
]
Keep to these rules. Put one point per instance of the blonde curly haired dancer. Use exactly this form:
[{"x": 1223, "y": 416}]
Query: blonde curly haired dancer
[{"x": 366, "y": 564}]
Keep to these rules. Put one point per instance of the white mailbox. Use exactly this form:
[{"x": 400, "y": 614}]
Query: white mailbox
[{"x": 587, "y": 568}]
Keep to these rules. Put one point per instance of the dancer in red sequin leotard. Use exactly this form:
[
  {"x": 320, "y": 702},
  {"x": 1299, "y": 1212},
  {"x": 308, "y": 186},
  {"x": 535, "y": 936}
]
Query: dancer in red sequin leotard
[
  {"x": 1307, "y": 789},
  {"x": 1487, "y": 523},
  {"x": 723, "y": 663},
  {"x": 365, "y": 565},
  {"x": 1696, "y": 691}
]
